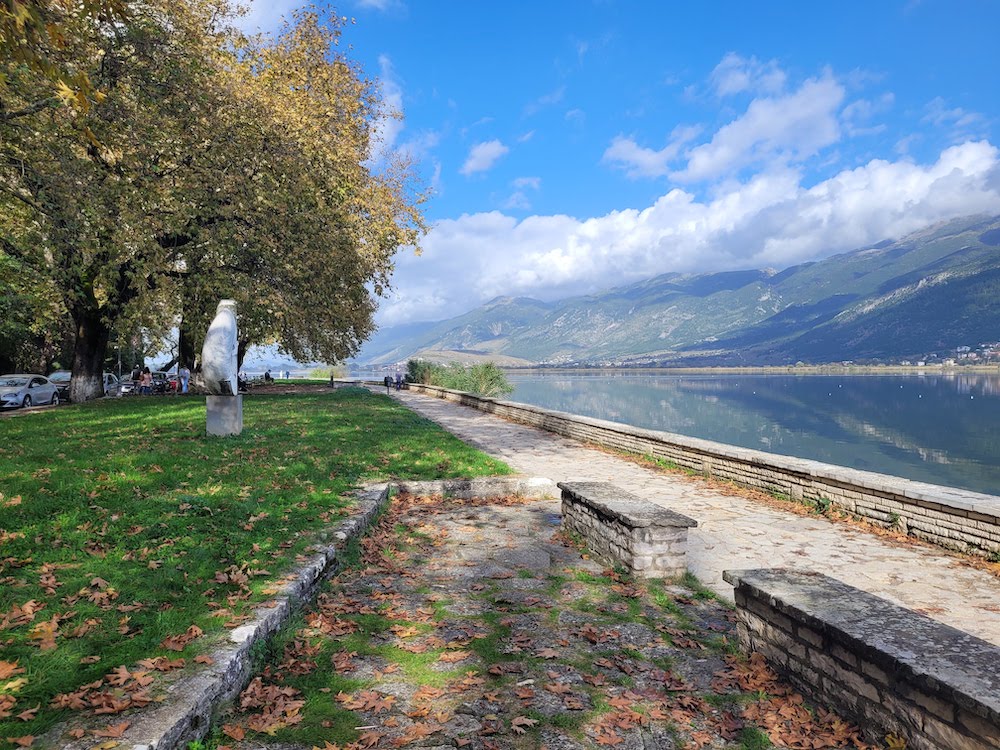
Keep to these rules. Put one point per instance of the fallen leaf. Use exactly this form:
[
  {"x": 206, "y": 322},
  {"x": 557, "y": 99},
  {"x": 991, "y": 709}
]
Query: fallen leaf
[
  {"x": 112, "y": 730},
  {"x": 519, "y": 723},
  {"x": 234, "y": 731}
]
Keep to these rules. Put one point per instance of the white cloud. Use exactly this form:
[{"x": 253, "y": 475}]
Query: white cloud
[
  {"x": 638, "y": 161},
  {"x": 387, "y": 128},
  {"x": 525, "y": 137},
  {"x": 773, "y": 130},
  {"x": 772, "y": 220},
  {"x": 517, "y": 201},
  {"x": 546, "y": 100},
  {"x": 527, "y": 182},
  {"x": 379, "y": 5},
  {"x": 265, "y": 15},
  {"x": 857, "y": 115},
  {"x": 773, "y": 133},
  {"x": 960, "y": 123},
  {"x": 736, "y": 74},
  {"x": 483, "y": 156}
]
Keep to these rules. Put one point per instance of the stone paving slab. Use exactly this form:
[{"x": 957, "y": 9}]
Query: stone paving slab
[{"x": 734, "y": 532}]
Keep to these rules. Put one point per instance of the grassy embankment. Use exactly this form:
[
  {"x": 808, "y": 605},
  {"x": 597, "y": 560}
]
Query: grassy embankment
[{"x": 125, "y": 531}]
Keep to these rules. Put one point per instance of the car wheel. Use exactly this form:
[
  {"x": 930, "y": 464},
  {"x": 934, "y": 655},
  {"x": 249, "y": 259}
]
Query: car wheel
[
  {"x": 55, "y": 399},
  {"x": 27, "y": 402}
]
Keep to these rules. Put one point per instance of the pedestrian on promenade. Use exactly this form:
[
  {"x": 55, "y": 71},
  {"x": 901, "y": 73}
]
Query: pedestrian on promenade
[
  {"x": 184, "y": 376},
  {"x": 146, "y": 382},
  {"x": 399, "y": 382}
]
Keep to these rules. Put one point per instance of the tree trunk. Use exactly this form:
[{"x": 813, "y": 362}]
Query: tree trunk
[
  {"x": 241, "y": 353},
  {"x": 89, "y": 350},
  {"x": 185, "y": 347}
]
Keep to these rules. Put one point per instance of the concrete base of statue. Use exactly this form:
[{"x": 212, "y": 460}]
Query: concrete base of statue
[{"x": 224, "y": 415}]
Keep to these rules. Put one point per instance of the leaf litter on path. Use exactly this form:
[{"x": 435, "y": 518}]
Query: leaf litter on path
[{"x": 477, "y": 624}]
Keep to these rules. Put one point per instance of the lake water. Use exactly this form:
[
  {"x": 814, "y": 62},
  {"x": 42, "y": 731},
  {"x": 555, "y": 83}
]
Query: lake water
[{"x": 939, "y": 428}]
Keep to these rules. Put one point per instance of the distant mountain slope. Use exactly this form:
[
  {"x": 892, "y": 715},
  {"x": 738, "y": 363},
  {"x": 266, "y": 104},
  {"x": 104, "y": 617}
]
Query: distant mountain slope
[{"x": 933, "y": 290}]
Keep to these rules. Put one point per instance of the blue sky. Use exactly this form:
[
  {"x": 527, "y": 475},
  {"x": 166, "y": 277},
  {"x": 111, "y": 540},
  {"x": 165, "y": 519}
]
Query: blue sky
[{"x": 574, "y": 146}]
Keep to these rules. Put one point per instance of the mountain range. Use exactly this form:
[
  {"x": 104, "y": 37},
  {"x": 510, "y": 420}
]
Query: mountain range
[{"x": 930, "y": 291}]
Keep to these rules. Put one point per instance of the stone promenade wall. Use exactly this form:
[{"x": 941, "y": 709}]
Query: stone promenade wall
[
  {"x": 953, "y": 518},
  {"x": 892, "y": 670}
]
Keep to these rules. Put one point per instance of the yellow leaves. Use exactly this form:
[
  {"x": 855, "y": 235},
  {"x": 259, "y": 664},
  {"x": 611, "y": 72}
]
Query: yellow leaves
[
  {"x": 13, "y": 686},
  {"x": 65, "y": 94},
  {"x": 20, "y": 14},
  {"x": 45, "y": 633},
  {"x": 895, "y": 743}
]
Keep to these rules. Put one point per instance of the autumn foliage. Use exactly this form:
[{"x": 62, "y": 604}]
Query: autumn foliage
[{"x": 187, "y": 162}]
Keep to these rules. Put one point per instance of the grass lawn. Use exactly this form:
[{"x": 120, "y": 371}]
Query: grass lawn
[{"x": 127, "y": 536}]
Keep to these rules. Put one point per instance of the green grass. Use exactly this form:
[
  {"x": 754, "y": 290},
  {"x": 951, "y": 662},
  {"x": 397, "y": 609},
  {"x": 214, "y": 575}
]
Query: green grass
[
  {"x": 752, "y": 738},
  {"x": 127, "y": 503}
]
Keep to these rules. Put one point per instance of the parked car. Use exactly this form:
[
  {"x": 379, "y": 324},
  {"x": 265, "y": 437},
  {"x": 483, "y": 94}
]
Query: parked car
[
  {"x": 20, "y": 390},
  {"x": 112, "y": 386},
  {"x": 61, "y": 380},
  {"x": 162, "y": 383}
]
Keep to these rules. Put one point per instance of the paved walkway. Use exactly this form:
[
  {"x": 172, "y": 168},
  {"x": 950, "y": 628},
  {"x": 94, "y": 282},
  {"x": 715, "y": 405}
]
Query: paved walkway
[{"x": 737, "y": 533}]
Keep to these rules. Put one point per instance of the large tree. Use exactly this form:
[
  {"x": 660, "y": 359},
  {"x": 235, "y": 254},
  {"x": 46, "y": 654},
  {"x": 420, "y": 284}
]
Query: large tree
[
  {"x": 207, "y": 165},
  {"x": 305, "y": 243}
]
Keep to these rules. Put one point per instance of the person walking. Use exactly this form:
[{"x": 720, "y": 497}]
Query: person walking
[
  {"x": 146, "y": 382},
  {"x": 399, "y": 382},
  {"x": 184, "y": 376}
]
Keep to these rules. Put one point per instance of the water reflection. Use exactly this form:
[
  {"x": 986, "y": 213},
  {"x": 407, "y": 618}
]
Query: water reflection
[{"x": 938, "y": 428}]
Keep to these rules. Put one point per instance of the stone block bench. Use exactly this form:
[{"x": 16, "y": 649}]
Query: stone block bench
[
  {"x": 892, "y": 670},
  {"x": 620, "y": 528}
]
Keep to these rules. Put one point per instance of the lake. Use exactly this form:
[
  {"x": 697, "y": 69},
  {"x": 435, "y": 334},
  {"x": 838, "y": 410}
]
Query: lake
[{"x": 942, "y": 428}]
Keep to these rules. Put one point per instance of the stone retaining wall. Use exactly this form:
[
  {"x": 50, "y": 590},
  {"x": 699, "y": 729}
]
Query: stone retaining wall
[
  {"x": 953, "y": 518},
  {"x": 890, "y": 669},
  {"x": 620, "y": 528}
]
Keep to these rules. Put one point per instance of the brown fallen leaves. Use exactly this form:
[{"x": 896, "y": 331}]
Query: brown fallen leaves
[
  {"x": 180, "y": 642},
  {"x": 783, "y": 714},
  {"x": 541, "y": 667},
  {"x": 277, "y": 706}
]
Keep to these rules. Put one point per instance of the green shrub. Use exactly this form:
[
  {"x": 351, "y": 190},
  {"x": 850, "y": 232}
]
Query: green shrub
[{"x": 484, "y": 379}]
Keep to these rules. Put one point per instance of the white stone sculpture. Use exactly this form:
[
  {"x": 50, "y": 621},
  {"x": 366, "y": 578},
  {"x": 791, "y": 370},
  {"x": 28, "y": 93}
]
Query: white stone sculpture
[{"x": 219, "y": 354}]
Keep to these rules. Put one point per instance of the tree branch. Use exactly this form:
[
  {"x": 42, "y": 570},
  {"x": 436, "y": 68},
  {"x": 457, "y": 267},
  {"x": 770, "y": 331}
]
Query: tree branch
[{"x": 6, "y": 116}]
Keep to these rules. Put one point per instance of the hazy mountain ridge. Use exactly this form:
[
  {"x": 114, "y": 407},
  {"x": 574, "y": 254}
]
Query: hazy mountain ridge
[{"x": 934, "y": 289}]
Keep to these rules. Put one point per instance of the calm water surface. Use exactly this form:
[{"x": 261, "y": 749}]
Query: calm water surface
[{"x": 938, "y": 428}]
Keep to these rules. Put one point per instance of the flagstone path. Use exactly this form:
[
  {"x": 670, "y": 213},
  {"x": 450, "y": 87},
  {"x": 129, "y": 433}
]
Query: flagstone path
[{"x": 736, "y": 533}]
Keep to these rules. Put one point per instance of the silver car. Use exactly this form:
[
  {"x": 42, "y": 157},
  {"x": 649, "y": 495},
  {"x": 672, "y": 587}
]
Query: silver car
[{"x": 18, "y": 391}]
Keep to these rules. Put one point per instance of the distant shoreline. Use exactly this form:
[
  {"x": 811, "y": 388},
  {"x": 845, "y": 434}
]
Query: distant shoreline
[{"x": 781, "y": 370}]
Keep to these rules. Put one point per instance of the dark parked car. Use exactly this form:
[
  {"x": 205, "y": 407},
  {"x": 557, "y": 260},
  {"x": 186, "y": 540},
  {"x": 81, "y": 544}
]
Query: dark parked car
[
  {"x": 60, "y": 378},
  {"x": 162, "y": 382}
]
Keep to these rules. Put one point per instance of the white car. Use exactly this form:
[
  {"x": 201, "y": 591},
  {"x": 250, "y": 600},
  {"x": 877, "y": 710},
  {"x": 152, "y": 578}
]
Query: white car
[{"x": 23, "y": 391}]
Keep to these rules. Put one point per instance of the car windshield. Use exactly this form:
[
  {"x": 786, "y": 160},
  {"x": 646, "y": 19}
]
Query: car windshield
[
  {"x": 60, "y": 377},
  {"x": 8, "y": 382}
]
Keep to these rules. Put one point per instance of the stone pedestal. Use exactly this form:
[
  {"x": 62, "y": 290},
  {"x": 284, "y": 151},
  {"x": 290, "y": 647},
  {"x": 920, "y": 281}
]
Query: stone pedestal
[{"x": 224, "y": 415}]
